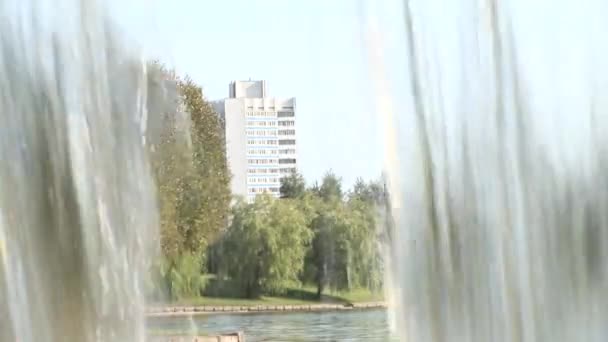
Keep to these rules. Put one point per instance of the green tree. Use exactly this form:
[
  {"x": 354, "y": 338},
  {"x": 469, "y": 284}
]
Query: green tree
[
  {"x": 344, "y": 253},
  {"x": 366, "y": 266},
  {"x": 186, "y": 277},
  {"x": 293, "y": 186},
  {"x": 371, "y": 201},
  {"x": 171, "y": 158},
  {"x": 206, "y": 205},
  {"x": 326, "y": 260},
  {"x": 331, "y": 187},
  {"x": 187, "y": 149},
  {"x": 372, "y": 192},
  {"x": 265, "y": 245}
]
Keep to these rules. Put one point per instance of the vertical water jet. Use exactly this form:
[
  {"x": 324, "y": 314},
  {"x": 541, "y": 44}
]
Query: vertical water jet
[
  {"x": 501, "y": 204},
  {"x": 78, "y": 221}
]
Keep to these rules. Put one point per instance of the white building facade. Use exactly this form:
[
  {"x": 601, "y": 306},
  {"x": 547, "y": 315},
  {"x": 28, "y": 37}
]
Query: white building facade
[{"x": 260, "y": 138}]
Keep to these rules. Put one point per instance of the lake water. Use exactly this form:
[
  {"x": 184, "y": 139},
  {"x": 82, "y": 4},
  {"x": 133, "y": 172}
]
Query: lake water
[{"x": 356, "y": 325}]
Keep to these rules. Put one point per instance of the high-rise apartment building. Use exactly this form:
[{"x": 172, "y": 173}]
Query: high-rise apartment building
[{"x": 260, "y": 138}]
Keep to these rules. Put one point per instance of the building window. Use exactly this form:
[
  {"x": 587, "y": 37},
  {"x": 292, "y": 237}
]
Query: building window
[
  {"x": 261, "y": 114},
  {"x": 261, "y": 151},
  {"x": 287, "y": 161},
  {"x": 261, "y": 142},
  {"x": 263, "y": 180},
  {"x": 261, "y": 123},
  {"x": 261, "y": 161},
  {"x": 287, "y": 142},
  {"x": 288, "y": 170},
  {"x": 263, "y": 190},
  {"x": 282, "y": 114},
  {"x": 261, "y": 133},
  {"x": 287, "y": 123},
  {"x": 287, "y": 131},
  {"x": 287, "y": 151},
  {"x": 261, "y": 171}
]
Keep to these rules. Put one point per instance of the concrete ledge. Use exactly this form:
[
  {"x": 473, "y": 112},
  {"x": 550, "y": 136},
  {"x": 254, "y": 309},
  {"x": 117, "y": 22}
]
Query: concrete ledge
[{"x": 198, "y": 310}]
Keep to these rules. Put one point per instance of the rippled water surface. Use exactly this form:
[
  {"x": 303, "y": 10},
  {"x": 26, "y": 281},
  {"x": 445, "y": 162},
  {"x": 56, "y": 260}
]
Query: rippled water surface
[{"x": 366, "y": 325}]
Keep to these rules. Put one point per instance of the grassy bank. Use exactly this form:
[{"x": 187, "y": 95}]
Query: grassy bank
[{"x": 294, "y": 296}]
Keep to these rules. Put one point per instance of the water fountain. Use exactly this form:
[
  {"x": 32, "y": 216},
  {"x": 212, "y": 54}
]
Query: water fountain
[
  {"x": 499, "y": 173},
  {"x": 77, "y": 208}
]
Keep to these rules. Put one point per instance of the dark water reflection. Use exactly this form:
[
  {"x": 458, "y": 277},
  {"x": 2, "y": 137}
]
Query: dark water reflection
[{"x": 364, "y": 325}]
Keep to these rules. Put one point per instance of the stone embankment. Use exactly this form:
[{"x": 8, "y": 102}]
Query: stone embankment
[
  {"x": 234, "y": 337},
  {"x": 205, "y": 309}
]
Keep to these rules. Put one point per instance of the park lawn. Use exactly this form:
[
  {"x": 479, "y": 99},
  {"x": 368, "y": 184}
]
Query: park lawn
[
  {"x": 295, "y": 296},
  {"x": 264, "y": 300},
  {"x": 361, "y": 296}
]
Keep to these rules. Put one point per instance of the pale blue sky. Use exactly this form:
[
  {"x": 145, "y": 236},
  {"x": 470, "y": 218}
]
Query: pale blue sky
[{"x": 312, "y": 50}]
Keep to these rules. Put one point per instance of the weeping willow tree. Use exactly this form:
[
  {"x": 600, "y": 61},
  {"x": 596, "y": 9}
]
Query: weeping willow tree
[
  {"x": 344, "y": 253},
  {"x": 266, "y": 245}
]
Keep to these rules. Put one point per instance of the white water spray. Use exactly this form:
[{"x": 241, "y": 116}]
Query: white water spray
[
  {"x": 503, "y": 172},
  {"x": 77, "y": 206}
]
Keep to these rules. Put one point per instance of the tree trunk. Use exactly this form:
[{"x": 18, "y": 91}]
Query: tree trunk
[
  {"x": 319, "y": 290},
  {"x": 321, "y": 277}
]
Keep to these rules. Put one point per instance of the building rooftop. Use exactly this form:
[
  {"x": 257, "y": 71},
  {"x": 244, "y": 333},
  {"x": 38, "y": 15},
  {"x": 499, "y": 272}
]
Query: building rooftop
[{"x": 239, "y": 89}]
